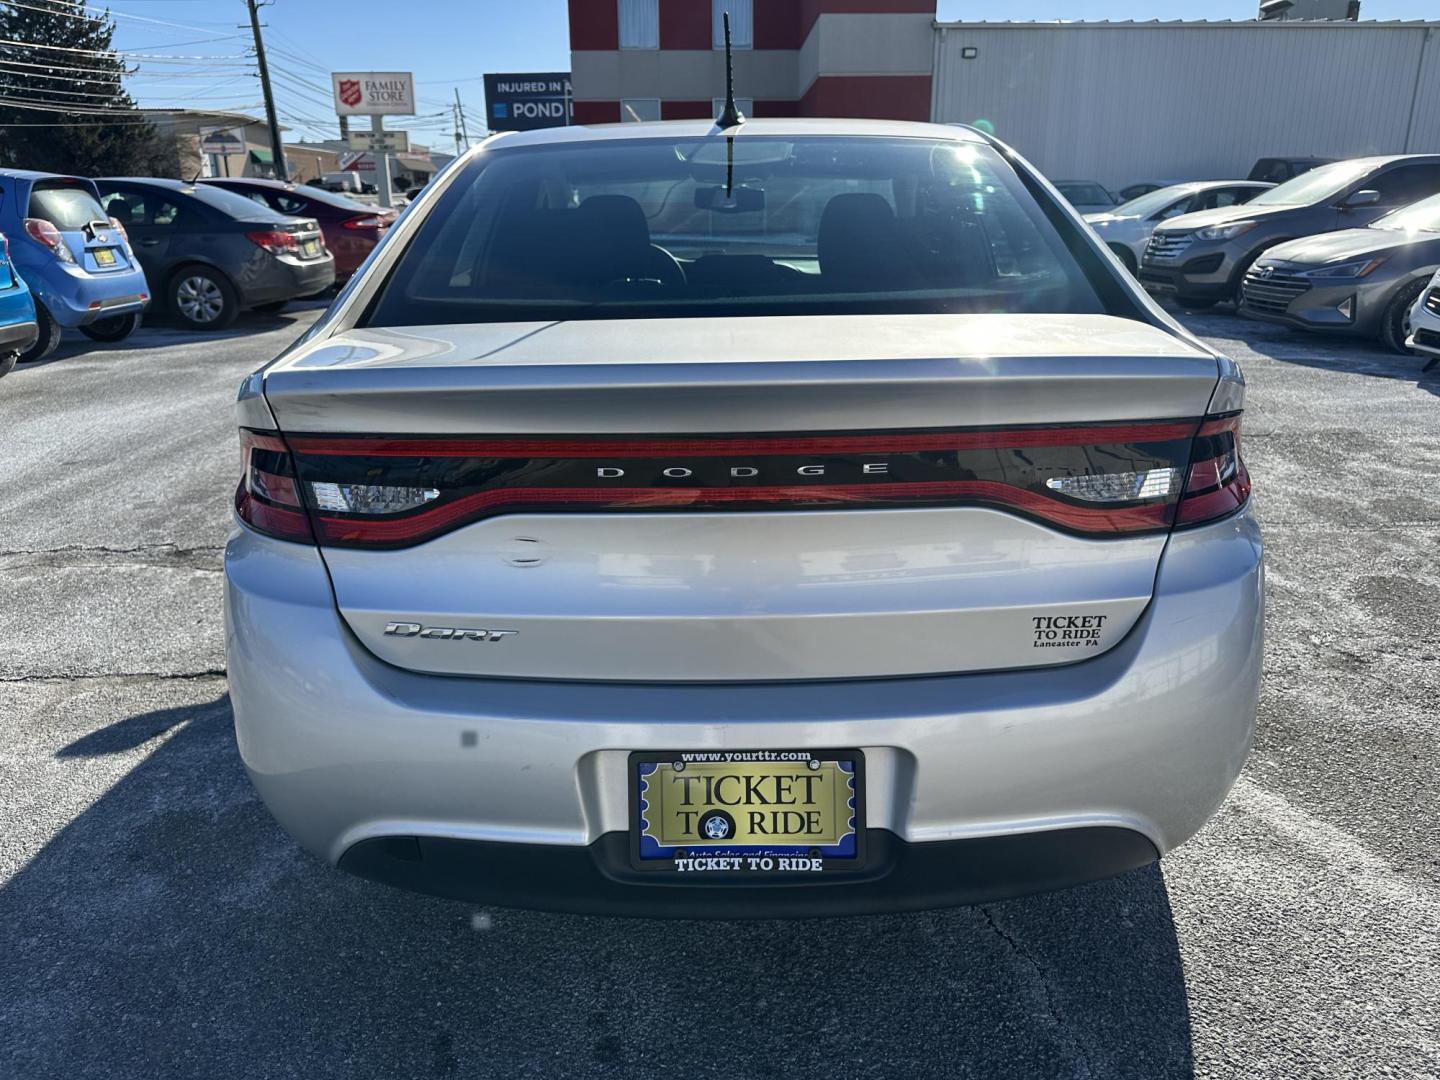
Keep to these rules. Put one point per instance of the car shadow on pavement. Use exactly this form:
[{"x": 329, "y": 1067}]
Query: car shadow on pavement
[{"x": 172, "y": 930}]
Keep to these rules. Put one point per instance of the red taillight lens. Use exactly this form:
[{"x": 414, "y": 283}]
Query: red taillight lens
[
  {"x": 1218, "y": 483},
  {"x": 115, "y": 224},
  {"x": 275, "y": 241},
  {"x": 370, "y": 221},
  {"x": 43, "y": 232},
  {"x": 268, "y": 499}
]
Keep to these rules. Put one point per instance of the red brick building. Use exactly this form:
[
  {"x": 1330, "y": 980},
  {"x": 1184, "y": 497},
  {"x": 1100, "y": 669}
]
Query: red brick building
[{"x": 664, "y": 59}]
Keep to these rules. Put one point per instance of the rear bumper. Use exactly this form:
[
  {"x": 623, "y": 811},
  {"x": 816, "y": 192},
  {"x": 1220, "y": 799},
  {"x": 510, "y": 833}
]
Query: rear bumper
[
  {"x": 517, "y": 790},
  {"x": 17, "y": 337},
  {"x": 78, "y": 298},
  {"x": 596, "y": 879},
  {"x": 287, "y": 279}
]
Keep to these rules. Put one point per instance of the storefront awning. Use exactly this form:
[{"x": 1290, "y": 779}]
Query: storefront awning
[{"x": 262, "y": 157}]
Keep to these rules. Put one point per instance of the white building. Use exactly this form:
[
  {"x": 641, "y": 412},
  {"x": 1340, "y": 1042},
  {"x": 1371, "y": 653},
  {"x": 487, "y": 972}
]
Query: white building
[{"x": 1129, "y": 101}]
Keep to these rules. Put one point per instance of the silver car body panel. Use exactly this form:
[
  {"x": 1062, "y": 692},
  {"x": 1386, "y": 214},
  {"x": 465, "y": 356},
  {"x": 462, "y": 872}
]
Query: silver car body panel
[
  {"x": 801, "y": 373},
  {"x": 1149, "y": 736},
  {"x": 746, "y": 596}
]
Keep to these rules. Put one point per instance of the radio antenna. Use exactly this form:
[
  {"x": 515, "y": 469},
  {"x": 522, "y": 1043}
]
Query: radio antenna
[{"x": 730, "y": 116}]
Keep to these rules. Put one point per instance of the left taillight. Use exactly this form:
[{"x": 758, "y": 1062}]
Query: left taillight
[
  {"x": 1217, "y": 483},
  {"x": 268, "y": 498}
]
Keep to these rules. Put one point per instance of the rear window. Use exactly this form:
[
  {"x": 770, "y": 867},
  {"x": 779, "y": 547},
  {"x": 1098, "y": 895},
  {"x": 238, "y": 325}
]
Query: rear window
[
  {"x": 758, "y": 225},
  {"x": 232, "y": 204},
  {"x": 65, "y": 204},
  {"x": 1085, "y": 193}
]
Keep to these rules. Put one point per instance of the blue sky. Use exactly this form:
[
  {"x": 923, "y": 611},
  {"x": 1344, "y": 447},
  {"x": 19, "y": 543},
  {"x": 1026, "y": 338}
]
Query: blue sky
[{"x": 449, "y": 45}]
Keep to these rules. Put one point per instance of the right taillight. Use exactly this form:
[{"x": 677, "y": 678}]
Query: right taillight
[
  {"x": 1217, "y": 483},
  {"x": 45, "y": 233},
  {"x": 370, "y": 221},
  {"x": 268, "y": 499},
  {"x": 275, "y": 241}
]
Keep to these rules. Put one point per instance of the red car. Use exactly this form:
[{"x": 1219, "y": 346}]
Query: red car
[{"x": 351, "y": 229}]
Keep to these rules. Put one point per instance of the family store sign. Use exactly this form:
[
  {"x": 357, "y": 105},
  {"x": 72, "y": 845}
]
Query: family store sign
[{"x": 374, "y": 93}]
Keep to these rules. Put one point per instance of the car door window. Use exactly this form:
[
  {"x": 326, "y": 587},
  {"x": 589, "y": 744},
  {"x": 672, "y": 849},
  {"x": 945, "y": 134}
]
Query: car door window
[
  {"x": 126, "y": 207},
  {"x": 1405, "y": 184},
  {"x": 161, "y": 211}
]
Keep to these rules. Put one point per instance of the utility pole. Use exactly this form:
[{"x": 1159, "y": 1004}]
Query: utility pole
[
  {"x": 460, "y": 112},
  {"x": 277, "y": 148},
  {"x": 455, "y": 118}
]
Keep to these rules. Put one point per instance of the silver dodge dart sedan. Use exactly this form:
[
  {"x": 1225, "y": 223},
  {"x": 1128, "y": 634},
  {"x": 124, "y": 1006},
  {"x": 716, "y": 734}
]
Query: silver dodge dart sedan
[{"x": 801, "y": 517}]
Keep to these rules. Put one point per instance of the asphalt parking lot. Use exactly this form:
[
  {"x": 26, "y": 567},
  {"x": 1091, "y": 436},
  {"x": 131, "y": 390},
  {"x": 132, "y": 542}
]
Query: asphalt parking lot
[{"x": 154, "y": 922}]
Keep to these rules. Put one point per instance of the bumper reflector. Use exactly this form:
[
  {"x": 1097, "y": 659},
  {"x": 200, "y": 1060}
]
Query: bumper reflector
[{"x": 1118, "y": 487}]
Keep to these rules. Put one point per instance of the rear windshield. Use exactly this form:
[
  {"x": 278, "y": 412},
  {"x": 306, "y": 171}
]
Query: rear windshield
[
  {"x": 66, "y": 204},
  {"x": 758, "y": 225},
  {"x": 232, "y": 204},
  {"x": 1085, "y": 193}
]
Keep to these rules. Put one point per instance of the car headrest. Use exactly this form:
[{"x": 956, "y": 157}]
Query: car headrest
[
  {"x": 614, "y": 219},
  {"x": 858, "y": 237}
]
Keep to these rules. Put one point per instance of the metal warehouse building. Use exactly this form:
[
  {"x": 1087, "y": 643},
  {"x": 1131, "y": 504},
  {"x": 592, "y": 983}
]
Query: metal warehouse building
[
  {"x": 1114, "y": 102},
  {"x": 1121, "y": 102}
]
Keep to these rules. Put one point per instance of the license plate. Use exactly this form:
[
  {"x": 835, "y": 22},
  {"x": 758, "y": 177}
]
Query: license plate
[
  {"x": 310, "y": 248},
  {"x": 744, "y": 812},
  {"x": 104, "y": 256}
]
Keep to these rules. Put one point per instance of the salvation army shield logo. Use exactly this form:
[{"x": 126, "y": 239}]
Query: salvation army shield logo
[{"x": 350, "y": 92}]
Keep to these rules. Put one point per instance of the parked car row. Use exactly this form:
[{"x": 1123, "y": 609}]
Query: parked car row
[
  {"x": 1089, "y": 197},
  {"x": 94, "y": 255},
  {"x": 1347, "y": 247}
]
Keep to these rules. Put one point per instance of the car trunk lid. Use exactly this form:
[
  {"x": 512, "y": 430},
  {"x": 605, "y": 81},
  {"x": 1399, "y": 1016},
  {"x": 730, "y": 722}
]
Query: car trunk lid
[{"x": 742, "y": 499}]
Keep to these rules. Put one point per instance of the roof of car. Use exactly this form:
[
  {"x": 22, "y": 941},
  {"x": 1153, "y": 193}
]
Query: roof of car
[
  {"x": 257, "y": 181},
  {"x": 696, "y": 129},
  {"x": 157, "y": 181},
  {"x": 32, "y": 174}
]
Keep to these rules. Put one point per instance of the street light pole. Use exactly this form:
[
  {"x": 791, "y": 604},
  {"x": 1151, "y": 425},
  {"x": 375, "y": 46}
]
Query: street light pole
[{"x": 277, "y": 148}]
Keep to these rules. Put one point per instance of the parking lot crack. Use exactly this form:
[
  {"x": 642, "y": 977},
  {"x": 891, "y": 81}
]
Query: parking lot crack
[
  {"x": 170, "y": 549},
  {"x": 177, "y": 676},
  {"x": 1047, "y": 995}
]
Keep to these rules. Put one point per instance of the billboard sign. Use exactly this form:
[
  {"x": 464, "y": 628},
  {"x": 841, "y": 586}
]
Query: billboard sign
[
  {"x": 373, "y": 93},
  {"x": 524, "y": 102}
]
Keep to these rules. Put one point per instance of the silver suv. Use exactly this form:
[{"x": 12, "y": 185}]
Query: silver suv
[
  {"x": 1202, "y": 258},
  {"x": 802, "y": 518}
]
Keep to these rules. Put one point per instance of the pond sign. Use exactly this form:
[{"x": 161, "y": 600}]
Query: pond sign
[{"x": 527, "y": 101}]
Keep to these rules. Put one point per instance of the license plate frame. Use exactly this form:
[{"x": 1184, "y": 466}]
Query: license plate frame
[
  {"x": 310, "y": 249},
  {"x": 105, "y": 257},
  {"x": 712, "y": 860}
]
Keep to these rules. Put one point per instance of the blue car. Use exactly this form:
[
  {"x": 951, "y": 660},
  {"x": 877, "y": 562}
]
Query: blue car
[
  {"x": 76, "y": 260},
  {"x": 17, "y": 312}
]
